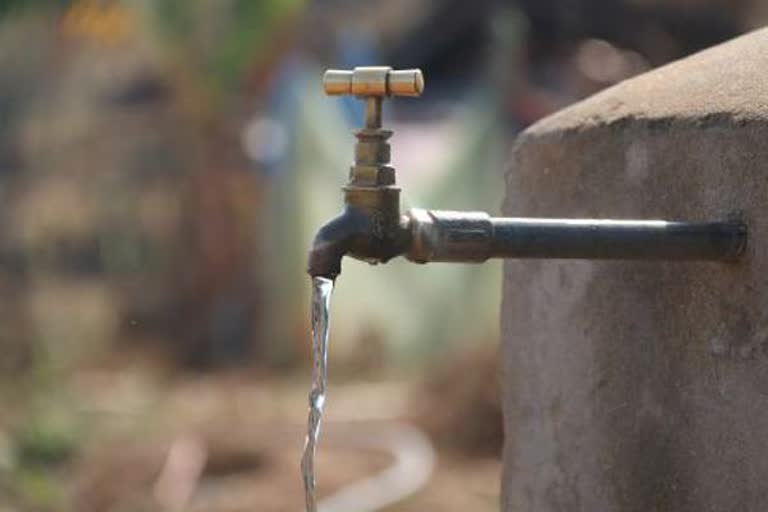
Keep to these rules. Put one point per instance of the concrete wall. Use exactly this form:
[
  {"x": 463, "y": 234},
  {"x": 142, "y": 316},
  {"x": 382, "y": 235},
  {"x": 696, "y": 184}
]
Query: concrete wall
[{"x": 643, "y": 386}]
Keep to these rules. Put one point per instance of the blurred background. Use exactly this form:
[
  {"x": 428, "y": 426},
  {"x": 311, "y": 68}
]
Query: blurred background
[{"x": 163, "y": 167}]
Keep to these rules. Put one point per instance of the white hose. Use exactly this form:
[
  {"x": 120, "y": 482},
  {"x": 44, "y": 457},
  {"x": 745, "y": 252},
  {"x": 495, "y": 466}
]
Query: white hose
[{"x": 411, "y": 470}]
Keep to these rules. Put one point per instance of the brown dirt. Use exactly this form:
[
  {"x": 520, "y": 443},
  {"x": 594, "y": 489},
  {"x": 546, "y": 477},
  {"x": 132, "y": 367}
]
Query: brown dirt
[{"x": 251, "y": 434}]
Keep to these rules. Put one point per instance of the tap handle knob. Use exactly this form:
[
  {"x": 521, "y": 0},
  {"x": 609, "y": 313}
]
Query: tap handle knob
[{"x": 374, "y": 81}]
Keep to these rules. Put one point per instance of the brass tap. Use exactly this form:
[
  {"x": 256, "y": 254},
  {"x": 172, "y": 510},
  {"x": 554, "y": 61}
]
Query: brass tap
[{"x": 370, "y": 228}]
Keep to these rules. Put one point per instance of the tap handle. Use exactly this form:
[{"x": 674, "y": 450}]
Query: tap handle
[{"x": 374, "y": 81}]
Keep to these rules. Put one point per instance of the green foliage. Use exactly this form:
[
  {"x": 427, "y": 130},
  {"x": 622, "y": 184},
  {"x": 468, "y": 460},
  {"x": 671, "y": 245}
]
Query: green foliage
[
  {"x": 38, "y": 488},
  {"x": 40, "y": 446},
  {"x": 46, "y": 440},
  {"x": 50, "y": 431},
  {"x": 242, "y": 34},
  {"x": 174, "y": 16},
  {"x": 14, "y": 6}
]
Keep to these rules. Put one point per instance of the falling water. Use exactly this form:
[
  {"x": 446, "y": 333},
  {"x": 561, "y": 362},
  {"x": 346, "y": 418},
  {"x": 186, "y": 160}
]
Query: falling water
[{"x": 321, "y": 299}]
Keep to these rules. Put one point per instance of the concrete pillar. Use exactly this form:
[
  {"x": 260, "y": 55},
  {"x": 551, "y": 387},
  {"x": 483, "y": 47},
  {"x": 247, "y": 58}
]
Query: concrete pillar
[{"x": 640, "y": 387}]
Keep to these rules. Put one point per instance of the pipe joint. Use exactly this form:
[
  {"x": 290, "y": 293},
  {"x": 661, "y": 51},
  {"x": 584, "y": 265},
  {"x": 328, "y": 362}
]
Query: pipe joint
[{"x": 441, "y": 235}]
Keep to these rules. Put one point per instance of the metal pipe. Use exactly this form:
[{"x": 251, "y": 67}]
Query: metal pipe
[
  {"x": 475, "y": 237},
  {"x": 616, "y": 239},
  {"x": 373, "y": 107}
]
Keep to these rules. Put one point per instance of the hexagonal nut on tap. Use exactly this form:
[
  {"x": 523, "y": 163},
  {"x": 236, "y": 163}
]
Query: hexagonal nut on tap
[{"x": 374, "y": 81}]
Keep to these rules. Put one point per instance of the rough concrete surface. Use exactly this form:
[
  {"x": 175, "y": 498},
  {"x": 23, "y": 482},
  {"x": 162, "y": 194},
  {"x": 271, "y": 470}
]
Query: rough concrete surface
[{"x": 631, "y": 386}]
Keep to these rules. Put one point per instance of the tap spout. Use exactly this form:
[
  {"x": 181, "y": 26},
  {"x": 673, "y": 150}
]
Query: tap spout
[
  {"x": 363, "y": 234},
  {"x": 332, "y": 241}
]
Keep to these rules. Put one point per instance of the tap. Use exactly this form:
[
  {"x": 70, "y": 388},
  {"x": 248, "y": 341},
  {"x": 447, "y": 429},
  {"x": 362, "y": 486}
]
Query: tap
[{"x": 372, "y": 228}]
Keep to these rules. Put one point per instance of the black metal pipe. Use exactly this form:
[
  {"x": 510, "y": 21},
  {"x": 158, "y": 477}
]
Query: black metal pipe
[
  {"x": 616, "y": 239},
  {"x": 438, "y": 235}
]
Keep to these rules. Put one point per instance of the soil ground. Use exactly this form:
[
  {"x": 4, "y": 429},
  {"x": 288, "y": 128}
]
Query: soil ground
[{"x": 233, "y": 443}]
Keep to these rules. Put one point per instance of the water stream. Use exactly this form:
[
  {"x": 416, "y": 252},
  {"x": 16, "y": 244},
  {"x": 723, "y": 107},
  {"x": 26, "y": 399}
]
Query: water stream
[{"x": 321, "y": 299}]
